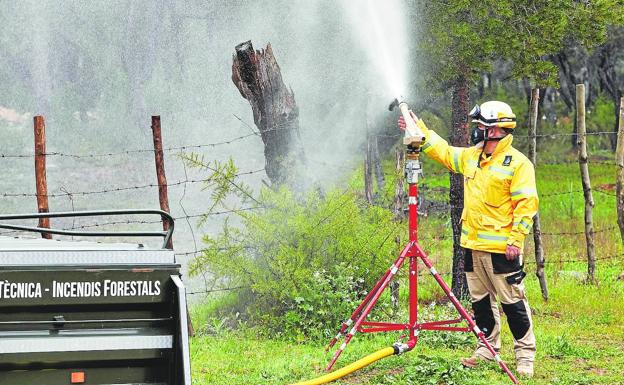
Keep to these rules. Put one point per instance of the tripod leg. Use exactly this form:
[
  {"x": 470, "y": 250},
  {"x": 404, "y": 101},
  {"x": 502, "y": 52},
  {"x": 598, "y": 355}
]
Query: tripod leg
[
  {"x": 473, "y": 326},
  {"x": 356, "y": 312},
  {"x": 393, "y": 270}
]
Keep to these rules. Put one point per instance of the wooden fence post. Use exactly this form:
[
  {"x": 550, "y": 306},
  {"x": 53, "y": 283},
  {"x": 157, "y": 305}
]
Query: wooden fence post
[
  {"x": 40, "y": 173},
  {"x": 163, "y": 197},
  {"x": 395, "y": 285},
  {"x": 589, "y": 199},
  {"x": 619, "y": 160},
  {"x": 379, "y": 176},
  {"x": 160, "y": 173},
  {"x": 537, "y": 228}
]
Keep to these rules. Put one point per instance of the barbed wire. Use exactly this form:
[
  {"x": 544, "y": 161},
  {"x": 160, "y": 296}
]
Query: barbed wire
[
  {"x": 208, "y": 291},
  {"x": 279, "y": 127},
  {"x": 590, "y": 162},
  {"x": 560, "y": 193},
  {"x": 118, "y": 189},
  {"x": 603, "y": 258},
  {"x": 446, "y": 189},
  {"x": 605, "y": 192},
  {"x": 603, "y": 230},
  {"x": 228, "y": 248},
  {"x": 133, "y": 222},
  {"x": 565, "y": 134}
]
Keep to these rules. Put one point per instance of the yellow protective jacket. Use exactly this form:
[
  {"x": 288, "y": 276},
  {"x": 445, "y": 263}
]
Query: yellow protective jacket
[{"x": 500, "y": 196}]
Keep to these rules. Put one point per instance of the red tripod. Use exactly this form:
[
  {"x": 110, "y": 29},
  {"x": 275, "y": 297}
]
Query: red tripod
[{"x": 413, "y": 251}]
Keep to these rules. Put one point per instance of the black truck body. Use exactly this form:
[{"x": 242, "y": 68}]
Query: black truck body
[{"x": 76, "y": 312}]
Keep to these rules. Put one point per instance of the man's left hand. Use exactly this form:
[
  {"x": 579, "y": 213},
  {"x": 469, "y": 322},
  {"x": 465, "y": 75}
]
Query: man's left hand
[{"x": 512, "y": 252}]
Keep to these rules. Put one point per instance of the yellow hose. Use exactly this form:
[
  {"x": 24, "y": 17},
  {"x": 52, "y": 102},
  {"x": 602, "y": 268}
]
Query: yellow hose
[{"x": 357, "y": 365}]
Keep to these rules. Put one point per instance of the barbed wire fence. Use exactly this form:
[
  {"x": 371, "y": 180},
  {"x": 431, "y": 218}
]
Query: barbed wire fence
[
  {"x": 195, "y": 248},
  {"x": 176, "y": 152}
]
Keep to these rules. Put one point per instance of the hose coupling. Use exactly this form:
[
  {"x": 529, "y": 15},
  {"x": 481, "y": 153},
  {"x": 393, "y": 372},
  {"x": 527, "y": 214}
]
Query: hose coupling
[{"x": 400, "y": 348}]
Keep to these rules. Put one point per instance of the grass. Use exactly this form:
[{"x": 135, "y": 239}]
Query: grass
[{"x": 579, "y": 331}]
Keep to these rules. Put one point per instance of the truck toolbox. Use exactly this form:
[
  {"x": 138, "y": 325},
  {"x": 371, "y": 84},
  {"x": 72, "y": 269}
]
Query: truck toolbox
[{"x": 77, "y": 312}]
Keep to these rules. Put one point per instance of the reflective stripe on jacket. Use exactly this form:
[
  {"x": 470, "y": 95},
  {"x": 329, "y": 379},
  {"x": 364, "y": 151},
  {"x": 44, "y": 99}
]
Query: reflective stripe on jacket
[{"x": 500, "y": 196}]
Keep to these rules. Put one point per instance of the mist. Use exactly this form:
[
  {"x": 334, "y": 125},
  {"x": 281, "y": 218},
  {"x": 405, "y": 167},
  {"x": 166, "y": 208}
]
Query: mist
[{"x": 98, "y": 70}]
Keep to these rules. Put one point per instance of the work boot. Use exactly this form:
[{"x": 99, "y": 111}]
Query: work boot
[
  {"x": 524, "y": 369},
  {"x": 473, "y": 361}
]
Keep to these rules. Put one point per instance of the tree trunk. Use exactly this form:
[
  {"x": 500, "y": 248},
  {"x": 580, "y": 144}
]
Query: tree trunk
[
  {"x": 258, "y": 78},
  {"x": 458, "y": 137},
  {"x": 613, "y": 138}
]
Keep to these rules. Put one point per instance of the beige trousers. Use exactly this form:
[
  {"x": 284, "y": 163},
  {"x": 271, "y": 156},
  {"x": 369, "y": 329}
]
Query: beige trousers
[{"x": 485, "y": 286}]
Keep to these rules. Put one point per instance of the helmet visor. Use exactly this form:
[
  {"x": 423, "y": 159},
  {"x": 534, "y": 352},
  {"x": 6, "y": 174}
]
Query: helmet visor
[
  {"x": 475, "y": 112},
  {"x": 475, "y": 115}
]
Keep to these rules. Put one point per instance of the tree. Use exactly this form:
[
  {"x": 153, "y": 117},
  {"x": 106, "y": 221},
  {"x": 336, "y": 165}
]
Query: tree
[
  {"x": 608, "y": 56},
  {"x": 462, "y": 39},
  {"x": 258, "y": 78}
]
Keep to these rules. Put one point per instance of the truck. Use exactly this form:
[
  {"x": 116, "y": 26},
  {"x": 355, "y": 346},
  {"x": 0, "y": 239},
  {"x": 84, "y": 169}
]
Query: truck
[{"x": 89, "y": 312}]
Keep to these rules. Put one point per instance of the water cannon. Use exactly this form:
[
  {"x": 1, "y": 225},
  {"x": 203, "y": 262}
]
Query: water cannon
[{"x": 413, "y": 135}]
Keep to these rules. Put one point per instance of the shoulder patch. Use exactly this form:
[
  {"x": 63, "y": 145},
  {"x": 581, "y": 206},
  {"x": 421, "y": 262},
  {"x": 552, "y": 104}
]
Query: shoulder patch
[{"x": 507, "y": 160}]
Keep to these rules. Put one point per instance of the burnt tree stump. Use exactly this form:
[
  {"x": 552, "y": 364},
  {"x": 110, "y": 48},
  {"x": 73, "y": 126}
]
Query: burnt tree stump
[{"x": 258, "y": 78}]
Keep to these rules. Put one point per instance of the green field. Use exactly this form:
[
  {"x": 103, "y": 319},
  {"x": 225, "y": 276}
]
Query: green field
[{"x": 579, "y": 330}]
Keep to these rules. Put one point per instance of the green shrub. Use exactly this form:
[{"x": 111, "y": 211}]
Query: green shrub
[{"x": 303, "y": 263}]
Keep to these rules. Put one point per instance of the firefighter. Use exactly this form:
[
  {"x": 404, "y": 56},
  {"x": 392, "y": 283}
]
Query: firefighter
[{"x": 500, "y": 200}]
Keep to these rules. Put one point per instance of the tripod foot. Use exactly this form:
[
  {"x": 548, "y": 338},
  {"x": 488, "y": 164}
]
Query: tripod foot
[{"x": 505, "y": 369}]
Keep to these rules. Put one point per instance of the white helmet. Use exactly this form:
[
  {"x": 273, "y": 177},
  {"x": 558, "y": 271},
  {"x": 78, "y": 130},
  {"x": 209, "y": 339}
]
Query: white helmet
[{"x": 494, "y": 113}]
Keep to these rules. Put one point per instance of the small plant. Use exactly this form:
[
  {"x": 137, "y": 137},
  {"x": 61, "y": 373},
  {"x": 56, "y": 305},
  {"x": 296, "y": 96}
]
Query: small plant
[
  {"x": 436, "y": 370},
  {"x": 561, "y": 346}
]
